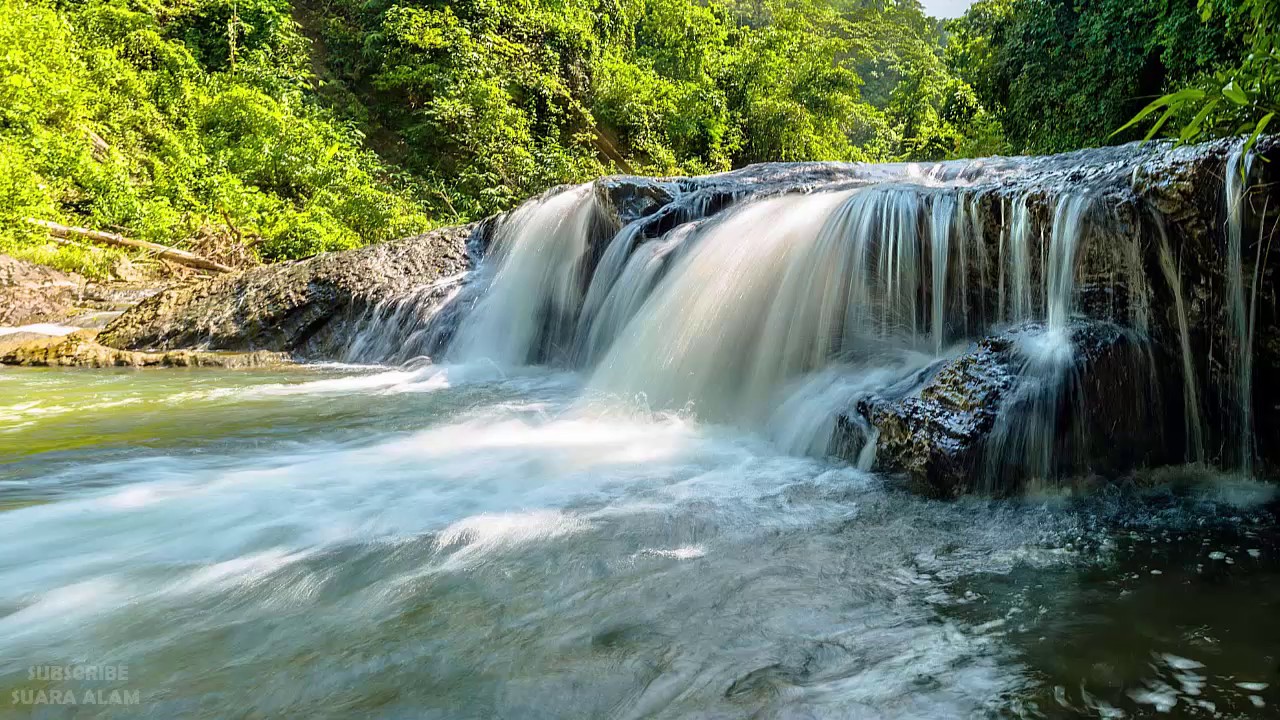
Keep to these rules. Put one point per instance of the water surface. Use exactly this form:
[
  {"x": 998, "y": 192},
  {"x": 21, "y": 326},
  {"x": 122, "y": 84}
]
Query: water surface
[{"x": 461, "y": 542}]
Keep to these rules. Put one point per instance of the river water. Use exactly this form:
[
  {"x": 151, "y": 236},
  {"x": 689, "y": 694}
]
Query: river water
[{"x": 460, "y": 542}]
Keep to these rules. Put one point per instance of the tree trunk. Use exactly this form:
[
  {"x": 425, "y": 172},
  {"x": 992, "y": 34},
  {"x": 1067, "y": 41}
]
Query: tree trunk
[{"x": 181, "y": 257}]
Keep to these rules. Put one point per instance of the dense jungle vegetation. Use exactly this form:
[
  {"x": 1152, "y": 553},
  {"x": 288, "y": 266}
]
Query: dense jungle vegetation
[{"x": 274, "y": 129}]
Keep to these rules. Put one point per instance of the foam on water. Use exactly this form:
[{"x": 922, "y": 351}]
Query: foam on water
[
  {"x": 51, "y": 329},
  {"x": 535, "y": 528},
  {"x": 468, "y": 478}
]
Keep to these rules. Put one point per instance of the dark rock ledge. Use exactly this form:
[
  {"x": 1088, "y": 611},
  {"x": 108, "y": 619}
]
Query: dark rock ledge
[{"x": 296, "y": 307}]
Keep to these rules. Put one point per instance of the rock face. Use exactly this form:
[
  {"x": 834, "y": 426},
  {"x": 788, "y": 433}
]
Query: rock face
[
  {"x": 312, "y": 308},
  {"x": 81, "y": 349},
  {"x": 31, "y": 293},
  {"x": 298, "y": 307}
]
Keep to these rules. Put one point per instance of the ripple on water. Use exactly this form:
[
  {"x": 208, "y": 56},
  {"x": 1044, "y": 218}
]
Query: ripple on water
[{"x": 499, "y": 547}]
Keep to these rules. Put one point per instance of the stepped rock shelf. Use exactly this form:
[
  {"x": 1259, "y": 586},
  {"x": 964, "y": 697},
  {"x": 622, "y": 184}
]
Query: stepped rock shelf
[{"x": 974, "y": 325}]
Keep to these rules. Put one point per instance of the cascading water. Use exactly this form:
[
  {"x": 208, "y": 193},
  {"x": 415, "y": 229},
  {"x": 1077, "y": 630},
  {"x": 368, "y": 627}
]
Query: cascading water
[
  {"x": 1018, "y": 265},
  {"x": 420, "y": 319},
  {"x": 621, "y": 295},
  {"x": 781, "y": 289},
  {"x": 700, "y": 333},
  {"x": 532, "y": 287},
  {"x": 1237, "y": 178},
  {"x": 1191, "y": 386},
  {"x": 783, "y": 311},
  {"x": 944, "y": 211},
  {"x": 1028, "y": 439}
]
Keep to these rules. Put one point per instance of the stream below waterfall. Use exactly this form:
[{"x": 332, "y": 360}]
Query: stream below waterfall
[{"x": 458, "y": 542}]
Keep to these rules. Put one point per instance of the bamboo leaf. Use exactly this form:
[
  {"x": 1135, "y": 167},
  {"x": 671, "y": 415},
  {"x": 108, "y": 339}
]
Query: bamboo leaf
[
  {"x": 1257, "y": 132},
  {"x": 1193, "y": 128},
  {"x": 1172, "y": 101},
  {"x": 1234, "y": 94},
  {"x": 1160, "y": 123},
  {"x": 1161, "y": 102}
]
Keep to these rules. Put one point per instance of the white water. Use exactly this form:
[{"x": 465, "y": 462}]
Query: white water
[
  {"x": 1237, "y": 176},
  {"x": 400, "y": 541},
  {"x": 1018, "y": 266},
  {"x": 50, "y": 329},
  {"x": 415, "y": 319},
  {"x": 738, "y": 316},
  {"x": 533, "y": 284},
  {"x": 622, "y": 295},
  {"x": 201, "y": 567}
]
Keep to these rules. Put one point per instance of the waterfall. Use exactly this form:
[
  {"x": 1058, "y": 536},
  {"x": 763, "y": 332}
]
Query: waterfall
[
  {"x": 615, "y": 261},
  {"x": 1237, "y": 178},
  {"x": 944, "y": 211},
  {"x": 1027, "y": 431},
  {"x": 1191, "y": 387},
  {"x": 1019, "y": 262},
  {"x": 786, "y": 302},
  {"x": 1064, "y": 245},
  {"x": 696, "y": 337},
  {"x": 622, "y": 294},
  {"x": 401, "y": 328},
  {"x": 533, "y": 282},
  {"x": 780, "y": 313}
]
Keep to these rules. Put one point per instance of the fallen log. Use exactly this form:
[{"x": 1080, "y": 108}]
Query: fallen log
[{"x": 181, "y": 257}]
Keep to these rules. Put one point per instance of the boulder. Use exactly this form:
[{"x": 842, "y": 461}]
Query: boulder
[
  {"x": 1016, "y": 407},
  {"x": 31, "y": 293},
  {"x": 34, "y": 294}
]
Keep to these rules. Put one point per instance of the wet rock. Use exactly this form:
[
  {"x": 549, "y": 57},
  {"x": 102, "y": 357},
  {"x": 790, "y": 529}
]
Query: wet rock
[
  {"x": 1014, "y": 408},
  {"x": 935, "y": 432},
  {"x": 626, "y": 199},
  {"x": 81, "y": 349},
  {"x": 301, "y": 307}
]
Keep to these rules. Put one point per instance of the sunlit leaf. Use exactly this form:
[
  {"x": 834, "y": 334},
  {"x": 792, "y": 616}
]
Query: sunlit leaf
[
  {"x": 1257, "y": 132},
  {"x": 1192, "y": 128},
  {"x": 1160, "y": 123},
  {"x": 1234, "y": 94},
  {"x": 1172, "y": 101}
]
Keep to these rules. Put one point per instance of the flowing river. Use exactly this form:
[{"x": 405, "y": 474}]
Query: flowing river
[{"x": 455, "y": 541}]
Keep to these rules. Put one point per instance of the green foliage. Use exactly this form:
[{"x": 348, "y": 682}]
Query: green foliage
[
  {"x": 300, "y": 126},
  {"x": 138, "y": 117},
  {"x": 1063, "y": 74},
  {"x": 1240, "y": 100},
  {"x": 493, "y": 102}
]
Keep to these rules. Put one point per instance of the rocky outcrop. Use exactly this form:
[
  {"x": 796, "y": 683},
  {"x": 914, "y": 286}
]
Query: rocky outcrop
[
  {"x": 35, "y": 294},
  {"x": 1020, "y": 404},
  {"x": 298, "y": 307},
  {"x": 81, "y": 349},
  {"x": 313, "y": 307},
  {"x": 31, "y": 293}
]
